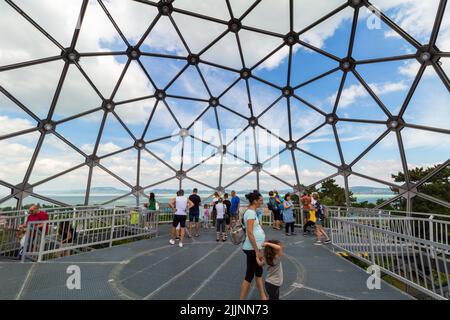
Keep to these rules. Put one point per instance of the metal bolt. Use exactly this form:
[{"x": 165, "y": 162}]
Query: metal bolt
[
  {"x": 393, "y": 124},
  {"x": 134, "y": 54},
  {"x": 72, "y": 56},
  {"x": 425, "y": 56}
]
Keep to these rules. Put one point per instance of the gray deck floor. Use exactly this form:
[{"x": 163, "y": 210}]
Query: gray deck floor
[{"x": 203, "y": 269}]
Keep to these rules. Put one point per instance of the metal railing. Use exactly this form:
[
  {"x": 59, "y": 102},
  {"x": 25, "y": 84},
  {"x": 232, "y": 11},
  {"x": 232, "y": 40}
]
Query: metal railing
[
  {"x": 413, "y": 250},
  {"x": 87, "y": 228}
]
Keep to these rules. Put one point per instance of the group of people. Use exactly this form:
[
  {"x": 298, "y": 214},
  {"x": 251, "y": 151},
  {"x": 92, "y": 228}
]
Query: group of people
[
  {"x": 313, "y": 212},
  {"x": 223, "y": 211}
]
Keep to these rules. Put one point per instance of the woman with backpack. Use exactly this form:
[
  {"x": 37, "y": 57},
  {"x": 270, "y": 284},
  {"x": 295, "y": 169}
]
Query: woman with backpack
[
  {"x": 273, "y": 206},
  {"x": 252, "y": 246}
]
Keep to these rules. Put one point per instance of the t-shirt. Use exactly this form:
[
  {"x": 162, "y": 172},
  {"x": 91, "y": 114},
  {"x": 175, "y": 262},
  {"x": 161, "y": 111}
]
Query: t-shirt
[
  {"x": 227, "y": 203},
  {"x": 234, "y": 204},
  {"x": 40, "y": 216},
  {"x": 288, "y": 213},
  {"x": 152, "y": 204},
  {"x": 275, "y": 273},
  {"x": 258, "y": 231},
  {"x": 220, "y": 210},
  {"x": 196, "y": 201},
  {"x": 181, "y": 206}
]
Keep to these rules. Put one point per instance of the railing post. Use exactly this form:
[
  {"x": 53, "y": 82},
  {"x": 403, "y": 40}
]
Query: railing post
[
  {"x": 27, "y": 237},
  {"x": 113, "y": 221},
  {"x": 371, "y": 246},
  {"x": 42, "y": 244}
]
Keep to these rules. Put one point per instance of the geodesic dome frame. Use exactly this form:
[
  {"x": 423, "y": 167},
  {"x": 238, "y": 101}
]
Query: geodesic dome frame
[{"x": 427, "y": 54}]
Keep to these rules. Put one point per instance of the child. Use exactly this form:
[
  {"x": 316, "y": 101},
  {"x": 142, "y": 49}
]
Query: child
[
  {"x": 320, "y": 216},
  {"x": 206, "y": 217},
  {"x": 20, "y": 233},
  {"x": 274, "y": 277}
]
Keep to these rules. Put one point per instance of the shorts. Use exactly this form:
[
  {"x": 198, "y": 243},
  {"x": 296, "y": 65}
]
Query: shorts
[
  {"x": 319, "y": 222},
  {"x": 194, "y": 216},
  {"x": 233, "y": 214},
  {"x": 227, "y": 219},
  {"x": 220, "y": 225},
  {"x": 276, "y": 215},
  {"x": 179, "y": 219}
]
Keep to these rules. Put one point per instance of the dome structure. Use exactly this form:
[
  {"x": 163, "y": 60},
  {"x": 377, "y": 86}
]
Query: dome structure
[{"x": 111, "y": 100}]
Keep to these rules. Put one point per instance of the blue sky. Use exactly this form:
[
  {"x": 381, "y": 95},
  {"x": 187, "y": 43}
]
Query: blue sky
[{"x": 34, "y": 86}]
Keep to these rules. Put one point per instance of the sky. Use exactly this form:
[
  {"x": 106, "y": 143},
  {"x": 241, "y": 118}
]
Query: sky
[{"x": 35, "y": 87}]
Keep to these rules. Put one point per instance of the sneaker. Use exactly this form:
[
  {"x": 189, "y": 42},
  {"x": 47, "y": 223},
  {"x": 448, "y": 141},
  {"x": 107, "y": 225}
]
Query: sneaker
[
  {"x": 293, "y": 234},
  {"x": 217, "y": 240},
  {"x": 327, "y": 241},
  {"x": 318, "y": 243},
  {"x": 177, "y": 238},
  {"x": 305, "y": 234},
  {"x": 287, "y": 234},
  {"x": 197, "y": 235},
  {"x": 172, "y": 242},
  {"x": 224, "y": 239},
  {"x": 180, "y": 244}
]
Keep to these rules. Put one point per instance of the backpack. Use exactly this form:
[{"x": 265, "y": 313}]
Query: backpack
[
  {"x": 238, "y": 232},
  {"x": 271, "y": 207}
]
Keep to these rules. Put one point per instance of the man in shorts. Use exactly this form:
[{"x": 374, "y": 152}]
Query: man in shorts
[
  {"x": 235, "y": 205},
  {"x": 194, "y": 213}
]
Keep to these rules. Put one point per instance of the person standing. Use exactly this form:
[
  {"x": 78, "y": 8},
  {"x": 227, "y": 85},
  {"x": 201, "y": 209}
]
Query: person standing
[
  {"x": 180, "y": 204},
  {"x": 235, "y": 206},
  {"x": 220, "y": 220},
  {"x": 320, "y": 216},
  {"x": 227, "y": 203},
  {"x": 307, "y": 207},
  {"x": 194, "y": 213},
  {"x": 213, "y": 205},
  {"x": 252, "y": 246},
  {"x": 273, "y": 206},
  {"x": 288, "y": 215},
  {"x": 274, "y": 277}
]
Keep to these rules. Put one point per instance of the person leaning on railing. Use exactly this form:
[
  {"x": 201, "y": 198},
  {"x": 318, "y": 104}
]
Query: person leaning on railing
[{"x": 35, "y": 215}]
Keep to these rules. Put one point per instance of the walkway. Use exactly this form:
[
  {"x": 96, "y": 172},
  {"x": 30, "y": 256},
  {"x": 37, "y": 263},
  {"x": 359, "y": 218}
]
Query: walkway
[{"x": 203, "y": 269}]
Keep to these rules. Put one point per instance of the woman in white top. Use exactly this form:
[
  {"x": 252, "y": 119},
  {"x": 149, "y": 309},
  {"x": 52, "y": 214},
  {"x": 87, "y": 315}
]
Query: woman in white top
[
  {"x": 221, "y": 209},
  {"x": 180, "y": 205}
]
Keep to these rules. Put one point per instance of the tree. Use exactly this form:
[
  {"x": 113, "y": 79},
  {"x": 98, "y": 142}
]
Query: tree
[
  {"x": 334, "y": 195},
  {"x": 437, "y": 186}
]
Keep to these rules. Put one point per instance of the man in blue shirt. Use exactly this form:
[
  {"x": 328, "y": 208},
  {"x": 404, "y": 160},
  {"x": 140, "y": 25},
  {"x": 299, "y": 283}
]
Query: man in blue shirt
[{"x": 235, "y": 205}]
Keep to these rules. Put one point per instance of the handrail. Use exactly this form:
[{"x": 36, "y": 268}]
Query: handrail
[{"x": 400, "y": 248}]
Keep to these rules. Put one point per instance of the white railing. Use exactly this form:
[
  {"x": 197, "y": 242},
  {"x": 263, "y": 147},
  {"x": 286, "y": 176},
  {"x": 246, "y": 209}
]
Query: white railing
[
  {"x": 86, "y": 228},
  {"x": 415, "y": 251}
]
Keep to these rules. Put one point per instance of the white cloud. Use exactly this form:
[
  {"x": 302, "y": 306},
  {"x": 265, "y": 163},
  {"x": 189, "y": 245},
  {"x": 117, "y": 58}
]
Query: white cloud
[
  {"x": 356, "y": 91},
  {"x": 35, "y": 86},
  {"x": 13, "y": 125}
]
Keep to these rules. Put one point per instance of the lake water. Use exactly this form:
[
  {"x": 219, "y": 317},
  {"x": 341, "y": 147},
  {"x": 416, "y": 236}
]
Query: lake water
[{"x": 164, "y": 198}]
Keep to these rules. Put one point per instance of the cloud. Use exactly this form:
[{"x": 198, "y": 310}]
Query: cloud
[
  {"x": 35, "y": 86},
  {"x": 13, "y": 125},
  {"x": 356, "y": 91}
]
